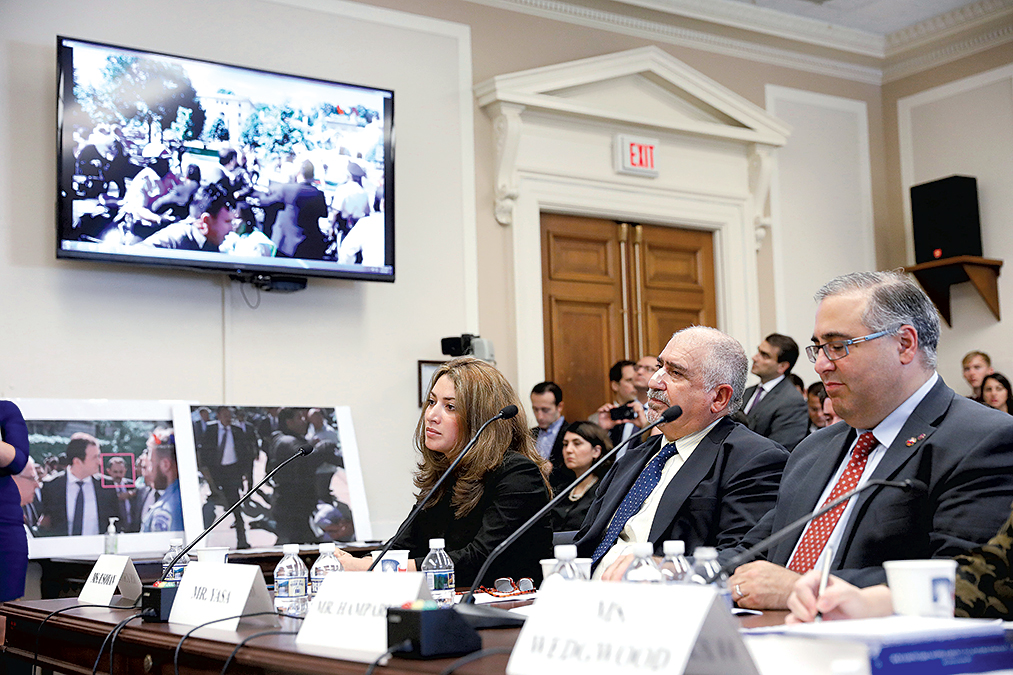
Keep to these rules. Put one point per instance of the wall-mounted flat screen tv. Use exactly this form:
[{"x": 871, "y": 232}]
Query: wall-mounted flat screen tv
[{"x": 173, "y": 161}]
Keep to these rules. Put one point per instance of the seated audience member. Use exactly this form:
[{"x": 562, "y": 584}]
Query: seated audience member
[
  {"x": 211, "y": 213},
  {"x": 706, "y": 481},
  {"x": 814, "y": 397},
  {"x": 995, "y": 390},
  {"x": 828, "y": 411},
  {"x": 774, "y": 408},
  {"x": 796, "y": 382},
  {"x": 874, "y": 346},
  {"x": 498, "y": 485},
  {"x": 984, "y": 588},
  {"x": 622, "y": 380},
  {"x": 583, "y": 444},
  {"x": 166, "y": 514},
  {"x": 642, "y": 372},
  {"x": 547, "y": 404},
  {"x": 976, "y": 366}
]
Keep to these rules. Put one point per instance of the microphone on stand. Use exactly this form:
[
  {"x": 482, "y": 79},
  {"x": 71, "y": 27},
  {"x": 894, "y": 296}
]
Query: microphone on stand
[
  {"x": 481, "y": 616},
  {"x": 156, "y": 601},
  {"x": 504, "y": 414},
  {"x": 907, "y": 485}
]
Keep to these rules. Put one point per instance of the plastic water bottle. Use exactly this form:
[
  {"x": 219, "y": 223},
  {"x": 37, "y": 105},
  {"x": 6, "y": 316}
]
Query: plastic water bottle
[
  {"x": 707, "y": 571},
  {"x": 643, "y": 569},
  {"x": 675, "y": 569},
  {"x": 324, "y": 565},
  {"x": 173, "y": 576},
  {"x": 290, "y": 581},
  {"x": 111, "y": 543},
  {"x": 439, "y": 571},
  {"x": 566, "y": 563}
]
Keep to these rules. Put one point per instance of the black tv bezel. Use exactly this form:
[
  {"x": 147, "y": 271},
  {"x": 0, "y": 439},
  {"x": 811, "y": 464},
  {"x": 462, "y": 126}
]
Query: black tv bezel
[{"x": 241, "y": 272}]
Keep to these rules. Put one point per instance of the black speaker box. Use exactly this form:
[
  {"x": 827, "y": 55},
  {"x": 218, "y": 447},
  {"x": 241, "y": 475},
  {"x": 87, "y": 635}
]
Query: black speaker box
[{"x": 944, "y": 215}]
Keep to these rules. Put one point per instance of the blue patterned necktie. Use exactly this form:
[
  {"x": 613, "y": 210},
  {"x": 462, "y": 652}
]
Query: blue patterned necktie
[{"x": 634, "y": 499}]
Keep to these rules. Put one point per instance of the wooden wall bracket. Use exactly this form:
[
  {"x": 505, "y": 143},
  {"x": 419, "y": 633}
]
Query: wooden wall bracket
[{"x": 937, "y": 276}]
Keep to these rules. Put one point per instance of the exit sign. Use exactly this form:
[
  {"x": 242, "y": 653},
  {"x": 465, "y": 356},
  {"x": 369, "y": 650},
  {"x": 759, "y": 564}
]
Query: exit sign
[{"x": 635, "y": 155}]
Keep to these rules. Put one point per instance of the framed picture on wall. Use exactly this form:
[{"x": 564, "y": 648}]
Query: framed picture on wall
[
  {"x": 316, "y": 498},
  {"x": 426, "y": 371},
  {"x": 100, "y": 461}
]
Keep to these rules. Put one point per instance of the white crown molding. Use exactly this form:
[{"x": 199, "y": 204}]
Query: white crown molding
[
  {"x": 948, "y": 53},
  {"x": 559, "y": 10},
  {"x": 977, "y": 16},
  {"x": 947, "y": 25},
  {"x": 771, "y": 22}
]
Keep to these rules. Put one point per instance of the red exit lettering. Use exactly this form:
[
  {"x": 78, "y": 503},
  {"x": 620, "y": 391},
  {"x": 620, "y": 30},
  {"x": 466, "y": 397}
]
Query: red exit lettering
[{"x": 641, "y": 155}]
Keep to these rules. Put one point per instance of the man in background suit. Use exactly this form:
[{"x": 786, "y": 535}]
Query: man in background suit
[
  {"x": 774, "y": 408},
  {"x": 74, "y": 501},
  {"x": 874, "y": 346},
  {"x": 707, "y": 483},
  {"x": 547, "y": 404},
  {"x": 226, "y": 459},
  {"x": 296, "y": 230}
]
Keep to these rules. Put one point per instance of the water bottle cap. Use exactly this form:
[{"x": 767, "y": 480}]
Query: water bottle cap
[
  {"x": 705, "y": 553},
  {"x": 437, "y": 543},
  {"x": 565, "y": 552},
  {"x": 176, "y": 541},
  {"x": 290, "y": 549},
  {"x": 326, "y": 547},
  {"x": 643, "y": 549},
  {"x": 674, "y": 547}
]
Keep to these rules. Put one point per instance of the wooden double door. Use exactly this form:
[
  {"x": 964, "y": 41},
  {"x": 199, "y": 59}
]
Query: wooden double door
[{"x": 615, "y": 291}]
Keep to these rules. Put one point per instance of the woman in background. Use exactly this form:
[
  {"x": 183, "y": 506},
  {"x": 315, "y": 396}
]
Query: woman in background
[
  {"x": 13, "y": 540},
  {"x": 995, "y": 389},
  {"x": 583, "y": 444},
  {"x": 499, "y": 484}
]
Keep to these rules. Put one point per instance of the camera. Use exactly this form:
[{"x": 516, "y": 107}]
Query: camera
[
  {"x": 469, "y": 344},
  {"x": 623, "y": 412}
]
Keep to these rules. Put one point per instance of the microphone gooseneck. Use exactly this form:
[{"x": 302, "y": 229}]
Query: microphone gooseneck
[
  {"x": 669, "y": 415},
  {"x": 504, "y": 414},
  {"x": 907, "y": 485},
  {"x": 302, "y": 452}
]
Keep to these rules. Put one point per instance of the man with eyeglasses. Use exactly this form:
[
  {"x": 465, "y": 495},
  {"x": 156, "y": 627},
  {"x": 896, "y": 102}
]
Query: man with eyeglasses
[{"x": 874, "y": 346}]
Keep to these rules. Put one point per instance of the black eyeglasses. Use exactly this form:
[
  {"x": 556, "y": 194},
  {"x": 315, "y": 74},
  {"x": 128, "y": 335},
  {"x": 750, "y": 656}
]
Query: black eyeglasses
[{"x": 838, "y": 349}]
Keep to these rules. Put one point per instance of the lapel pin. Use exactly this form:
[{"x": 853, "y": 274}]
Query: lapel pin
[{"x": 911, "y": 441}]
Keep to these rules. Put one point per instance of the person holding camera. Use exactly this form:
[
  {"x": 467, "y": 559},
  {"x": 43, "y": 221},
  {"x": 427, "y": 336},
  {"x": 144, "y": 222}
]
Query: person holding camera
[{"x": 625, "y": 415}]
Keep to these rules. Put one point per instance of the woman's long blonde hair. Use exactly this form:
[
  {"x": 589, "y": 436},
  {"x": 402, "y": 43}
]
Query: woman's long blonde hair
[{"x": 481, "y": 391}]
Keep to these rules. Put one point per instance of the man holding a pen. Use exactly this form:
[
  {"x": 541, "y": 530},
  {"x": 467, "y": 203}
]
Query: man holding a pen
[{"x": 874, "y": 346}]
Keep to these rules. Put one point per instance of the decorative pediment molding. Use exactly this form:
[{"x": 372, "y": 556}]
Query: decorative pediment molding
[{"x": 646, "y": 90}]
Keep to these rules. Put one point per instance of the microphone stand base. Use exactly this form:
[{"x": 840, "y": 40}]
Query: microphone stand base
[
  {"x": 484, "y": 616},
  {"x": 431, "y": 634}
]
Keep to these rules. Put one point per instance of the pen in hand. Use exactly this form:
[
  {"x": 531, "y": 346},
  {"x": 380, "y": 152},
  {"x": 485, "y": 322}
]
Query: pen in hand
[{"x": 828, "y": 556}]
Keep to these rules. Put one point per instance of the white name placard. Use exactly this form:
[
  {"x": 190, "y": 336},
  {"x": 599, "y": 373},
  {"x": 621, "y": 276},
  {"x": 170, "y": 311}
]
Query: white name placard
[
  {"x": 109, "y": 573},
  {"x": 212, "y": 590},
  {"x": 601, "y": 628},
  {"x": 348, "y": 617}
]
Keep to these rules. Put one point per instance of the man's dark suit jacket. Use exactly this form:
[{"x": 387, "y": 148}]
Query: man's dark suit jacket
[
  {"x": 560, "y": 476},
  {"x": 963, "y": 452},
  {"x": 296, "y": 230},
  {"x": 54, "y": 505},
  {"x": 211, "y": 455},
  {"x": 721, "y": 491},
  {"x": 781, "y": 415}
]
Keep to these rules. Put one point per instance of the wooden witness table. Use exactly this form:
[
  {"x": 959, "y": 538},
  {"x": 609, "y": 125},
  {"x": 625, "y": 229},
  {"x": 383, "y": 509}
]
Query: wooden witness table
[{"x": 70, "y": 641}]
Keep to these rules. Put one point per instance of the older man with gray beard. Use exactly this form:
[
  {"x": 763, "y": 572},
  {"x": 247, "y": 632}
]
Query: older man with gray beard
[{"x": 705, "y": 480}]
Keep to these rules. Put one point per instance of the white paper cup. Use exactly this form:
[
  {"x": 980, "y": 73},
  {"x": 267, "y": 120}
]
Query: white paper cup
[
  {"x": 922, "y": 587},
  {"x": 215, "y": 554},
  {"x": 394, "y": 561}
]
